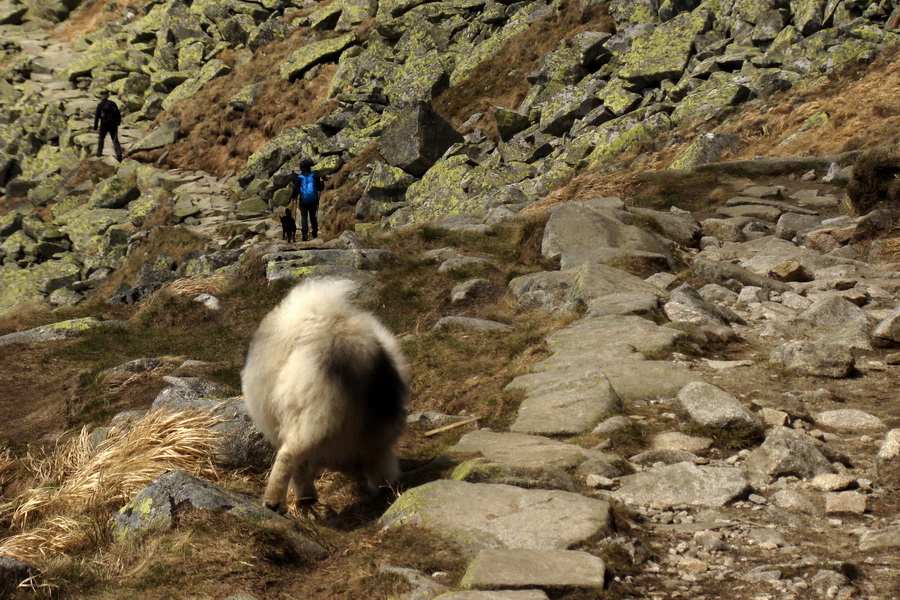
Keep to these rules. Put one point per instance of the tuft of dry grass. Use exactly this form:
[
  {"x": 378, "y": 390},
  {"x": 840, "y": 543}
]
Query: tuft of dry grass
[
  {"x": 77, "y": 481},
  {"x": 194, "y": 286}
]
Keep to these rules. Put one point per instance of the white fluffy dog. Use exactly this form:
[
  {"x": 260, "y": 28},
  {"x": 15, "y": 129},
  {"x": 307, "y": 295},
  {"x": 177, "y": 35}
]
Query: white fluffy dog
[{"x": 327, "y": 384}]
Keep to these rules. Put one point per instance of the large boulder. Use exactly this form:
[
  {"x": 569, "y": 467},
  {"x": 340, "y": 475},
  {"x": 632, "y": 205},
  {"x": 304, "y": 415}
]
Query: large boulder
[
  {"x": 821, "y": 359},
  {"x": 787, "y": 452},
  {"x": 683, "y": 483},
  {"x": 416, "y": 139},
  {"x": 708, "y": 406},
  {"x": 577, "y": 234},
  {"x": 312, "y": 54},
  {"x": 481, "y": 516}
]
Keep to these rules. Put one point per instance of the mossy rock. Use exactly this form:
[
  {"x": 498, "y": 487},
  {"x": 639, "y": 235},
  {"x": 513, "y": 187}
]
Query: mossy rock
[
  {"x": 114, "y": 192},
  {"x": 709, "y": 101},
  {"x": 310, "y": 55},
  {"x": 209, "y": 71},
  {"x": 663, "y": 52}
]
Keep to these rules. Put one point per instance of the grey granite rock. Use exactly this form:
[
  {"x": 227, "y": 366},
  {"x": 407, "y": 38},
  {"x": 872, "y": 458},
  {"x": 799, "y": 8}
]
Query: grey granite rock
[{"x": 479, "y": 516}]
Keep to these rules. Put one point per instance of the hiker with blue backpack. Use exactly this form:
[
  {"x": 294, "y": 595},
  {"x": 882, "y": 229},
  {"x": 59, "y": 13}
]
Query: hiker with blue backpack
[{"x": 307, "y": 186}]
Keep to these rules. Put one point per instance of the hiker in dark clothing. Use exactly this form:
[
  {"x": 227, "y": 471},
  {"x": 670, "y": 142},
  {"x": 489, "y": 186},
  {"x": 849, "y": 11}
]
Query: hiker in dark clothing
[
  {"x": 108, "y": 118},
  {"x": 307, "y": 186},
  {"x": 288, "y": 227}
]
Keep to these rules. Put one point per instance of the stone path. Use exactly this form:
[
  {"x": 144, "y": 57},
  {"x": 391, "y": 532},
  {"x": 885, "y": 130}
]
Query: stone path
[{"x": 752, "y": 523}]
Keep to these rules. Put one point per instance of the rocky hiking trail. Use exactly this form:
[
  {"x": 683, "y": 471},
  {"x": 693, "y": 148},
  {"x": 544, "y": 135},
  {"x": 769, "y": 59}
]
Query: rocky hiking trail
[
  {"x": 758, "y": 385},
  {"x": 718, "y": 419}
]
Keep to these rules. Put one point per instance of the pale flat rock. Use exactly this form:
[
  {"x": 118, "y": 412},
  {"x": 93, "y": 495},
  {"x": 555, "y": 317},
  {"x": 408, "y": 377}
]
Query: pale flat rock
[
  {"x": 594, "y": 280},
  {"x": 708, "y": 406},
  {"x": 820, "y": 359},
  {"x": 625, "y": 303},
  {"x": 648, "y": 380},
  {"x": 482, "y": 516},
  {"x": 849, "y": 420},
  {"x": 880, "y": 539},
  {"x": 789, "y": 452},
  {"x": 472, "y": 324},
  {"x": 722, "y": 365},
  {"x": 683, "y": 484},
  {"x": 793, "y": 501},
  {"x": 888, "y": 460},
  {"x": 675, "y": 440},
  {"x": 832, "y": 482},
  {"x": 558, "y": 570},
  {"x": 591, "y": 334},
  {"x": 504, "y": 595},
  {"x": 845, "y": 502},
  {"x": 576, "y": 234},
  {"x": 522, "y": 450},
  {"x": 575, "y": 406},
  {"x": 754, "y": 211},
  {"x": 889, "y": 327}
]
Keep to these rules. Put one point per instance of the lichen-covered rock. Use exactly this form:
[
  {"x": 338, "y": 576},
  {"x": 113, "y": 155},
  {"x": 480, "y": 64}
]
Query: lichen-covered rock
[
  {"x": 246, "y": 97},
  {"x": 84, "y": 225},
  {"x": 707, "y": 148},
  {"x": 420, "y": 79},
  {"x": 57, "y": 331},
  {"x": 416, "y": 139},
  {"x": 663, "y": 53},
  {"x": 292, "y": 142},
  {"x": 160, "y": 503},
  {"x": 312, "y": 54},
  {"x": 474, "y": 56},
  {"x": 482, "y": 515},
  {"x": 209, "y": 71},
  {"x": 712, "y": 98},
  {"x": 114, "y": 192},
  {"x": 162, "y": 136}
]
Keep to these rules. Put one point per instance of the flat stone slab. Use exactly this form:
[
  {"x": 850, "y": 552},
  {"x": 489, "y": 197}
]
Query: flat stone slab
[
  {"x": 576, "y": 406},
  {"x": 683, "y": 484},
  {"x": 642, "y": 381},
  {"x": 525, "y": 568},
  {"x": 58, "y": 331},
  {"x": 522, "y": 450},
  {"x": 643, "y": 335},
  {"x": 850, "y": 420},
  {"x": 708, "y": 406},
  {"x": 881, "y": 539},
  {"x": 504, "y": 595},
  {"x": 472, "y": 324},
  {"x": 480, "y": 516}
]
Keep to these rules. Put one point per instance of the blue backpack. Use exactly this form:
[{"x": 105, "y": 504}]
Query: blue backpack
[{"x": 306, "y": 186}]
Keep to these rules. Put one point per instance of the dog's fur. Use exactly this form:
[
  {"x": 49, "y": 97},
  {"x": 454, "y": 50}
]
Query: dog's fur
[{"x": 327, "y": 384}]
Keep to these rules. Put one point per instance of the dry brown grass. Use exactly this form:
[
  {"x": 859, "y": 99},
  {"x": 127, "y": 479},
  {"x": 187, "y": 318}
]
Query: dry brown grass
[
  {"x": 218, "y": 139},
  {"x": 91, "y": 15},
  {"x": 75, "y": 484},
  {"x": 500, "y": 80},
  {"x": 860, "y": 99},
  {"x": 194, "y": 286}
]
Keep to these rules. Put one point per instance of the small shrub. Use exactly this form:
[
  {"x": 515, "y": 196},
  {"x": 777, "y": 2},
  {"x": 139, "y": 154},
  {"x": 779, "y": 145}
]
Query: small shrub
[{"x": 875, "y": 180}]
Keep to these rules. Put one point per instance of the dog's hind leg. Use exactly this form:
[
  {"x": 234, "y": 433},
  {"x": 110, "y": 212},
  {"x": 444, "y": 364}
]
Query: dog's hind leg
[
  {"x": 286, "y": 462},
  {"x": 303, "y": 481},
  {"x": 383, "y": 471}
]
